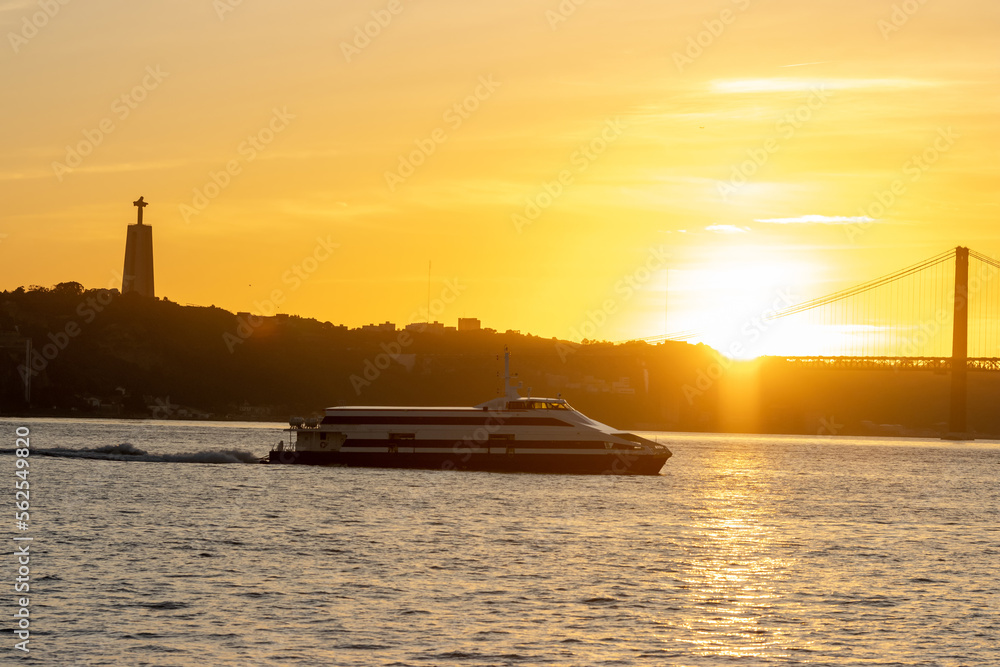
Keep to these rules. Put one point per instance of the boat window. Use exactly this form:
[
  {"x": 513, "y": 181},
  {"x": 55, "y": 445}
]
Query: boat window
[
  {"x": 402, "y": 436},
  {"x": 537, "y": 405},
  {"x": 501, "y": 436}
]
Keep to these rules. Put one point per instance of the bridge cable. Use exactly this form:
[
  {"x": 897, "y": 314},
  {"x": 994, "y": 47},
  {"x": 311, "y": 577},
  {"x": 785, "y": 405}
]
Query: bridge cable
[
  {"x": 864, "y": 287},
  {"x": 838, "y": 299}
]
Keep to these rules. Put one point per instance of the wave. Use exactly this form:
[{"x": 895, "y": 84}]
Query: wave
[{"x": 129, "y": 452}]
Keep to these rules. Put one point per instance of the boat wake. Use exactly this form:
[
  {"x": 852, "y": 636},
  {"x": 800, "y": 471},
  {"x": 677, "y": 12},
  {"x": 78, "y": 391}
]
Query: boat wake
[{"x": 129, "y": 452}]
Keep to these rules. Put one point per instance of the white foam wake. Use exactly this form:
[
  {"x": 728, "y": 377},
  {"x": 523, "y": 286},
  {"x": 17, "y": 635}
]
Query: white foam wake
[{"x": 129, "y": 452}]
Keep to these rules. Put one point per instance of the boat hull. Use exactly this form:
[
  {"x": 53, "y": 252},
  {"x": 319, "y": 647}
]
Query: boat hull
[{"x": 612, "y": 463}]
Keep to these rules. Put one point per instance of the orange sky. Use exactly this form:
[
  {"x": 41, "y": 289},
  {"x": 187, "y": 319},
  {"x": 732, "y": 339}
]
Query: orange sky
[{"x": 735, "y": 144}]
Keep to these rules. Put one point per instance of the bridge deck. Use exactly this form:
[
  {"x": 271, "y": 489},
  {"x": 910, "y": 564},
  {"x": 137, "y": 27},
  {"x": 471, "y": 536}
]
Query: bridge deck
[{"x": 892, "y": 363}]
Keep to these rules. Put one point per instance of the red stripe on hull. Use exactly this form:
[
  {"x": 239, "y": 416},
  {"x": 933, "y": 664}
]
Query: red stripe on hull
[{"x": 583, "y": 464}]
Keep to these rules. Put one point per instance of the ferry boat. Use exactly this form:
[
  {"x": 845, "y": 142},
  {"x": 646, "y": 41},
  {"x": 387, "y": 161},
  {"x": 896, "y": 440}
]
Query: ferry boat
[{"x": 510, "y": 433}]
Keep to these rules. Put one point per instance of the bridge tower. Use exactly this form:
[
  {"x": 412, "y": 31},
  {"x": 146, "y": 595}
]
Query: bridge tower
[{"x": 960, "y": 344}]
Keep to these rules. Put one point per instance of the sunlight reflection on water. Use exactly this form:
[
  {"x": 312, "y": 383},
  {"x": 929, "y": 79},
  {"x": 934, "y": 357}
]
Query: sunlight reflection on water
[{"x": 763, "y": 549}]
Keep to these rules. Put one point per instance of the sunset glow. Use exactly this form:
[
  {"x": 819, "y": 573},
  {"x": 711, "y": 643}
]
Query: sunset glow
[
  {"x": 532, "y": 155},
  {"x": 535, "y": 332}
]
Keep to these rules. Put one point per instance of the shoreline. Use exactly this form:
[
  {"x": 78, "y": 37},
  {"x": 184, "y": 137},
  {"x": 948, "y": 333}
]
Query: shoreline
[{"x": 894, "y": 431}]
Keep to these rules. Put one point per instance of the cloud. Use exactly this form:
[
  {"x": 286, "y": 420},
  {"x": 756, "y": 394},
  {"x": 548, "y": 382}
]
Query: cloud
[
  {"x": 789, "y": 84},
  {"x": 727, "y": 229},
  {"x": 817, "y": 220}
]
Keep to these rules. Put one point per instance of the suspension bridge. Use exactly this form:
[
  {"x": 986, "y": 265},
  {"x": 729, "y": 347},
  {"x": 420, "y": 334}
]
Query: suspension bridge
[{"x": 901, "y": 322}]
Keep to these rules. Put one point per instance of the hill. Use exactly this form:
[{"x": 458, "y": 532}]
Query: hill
[{"x": 97, "y": 352}]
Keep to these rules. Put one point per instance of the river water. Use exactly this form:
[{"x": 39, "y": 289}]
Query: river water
[{"x": 750, "y": 550}]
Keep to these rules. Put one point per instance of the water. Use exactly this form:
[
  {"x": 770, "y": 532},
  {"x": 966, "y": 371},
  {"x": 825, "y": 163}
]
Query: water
[{"x": 751, "y": 550}]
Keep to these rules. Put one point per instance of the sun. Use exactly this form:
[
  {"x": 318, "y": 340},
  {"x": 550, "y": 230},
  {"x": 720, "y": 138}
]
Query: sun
[{"x": 730, "y": 300}]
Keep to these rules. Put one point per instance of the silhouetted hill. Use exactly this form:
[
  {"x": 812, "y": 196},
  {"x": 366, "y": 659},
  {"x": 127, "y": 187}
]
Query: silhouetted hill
[{"x": 96, "y": 352}]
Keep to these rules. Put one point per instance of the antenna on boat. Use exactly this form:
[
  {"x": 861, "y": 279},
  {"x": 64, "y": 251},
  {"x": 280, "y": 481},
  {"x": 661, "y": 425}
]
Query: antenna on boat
[{"x": 509, "y": 389}]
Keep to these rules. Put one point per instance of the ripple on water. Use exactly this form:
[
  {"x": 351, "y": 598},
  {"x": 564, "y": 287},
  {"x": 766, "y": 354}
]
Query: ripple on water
[{"x": 747, "y": 551}]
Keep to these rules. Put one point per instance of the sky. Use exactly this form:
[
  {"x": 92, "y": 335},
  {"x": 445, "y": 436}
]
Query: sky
[{"x": 577, "y": 169}]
